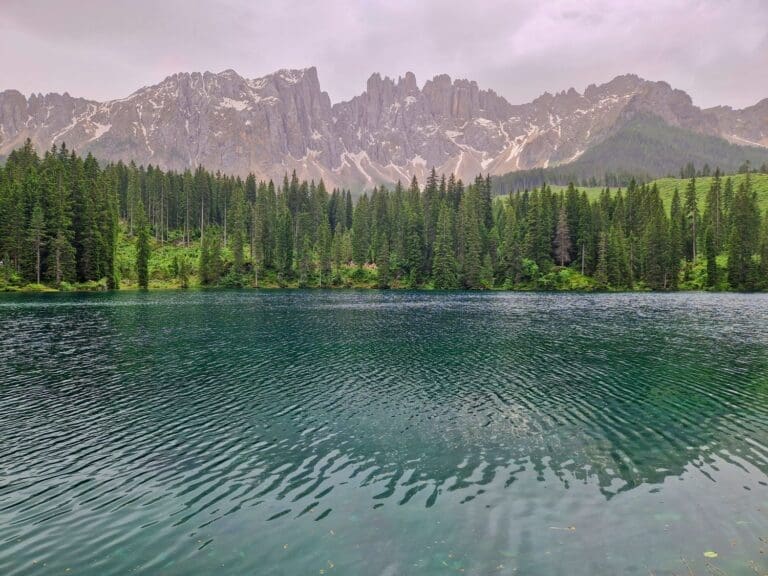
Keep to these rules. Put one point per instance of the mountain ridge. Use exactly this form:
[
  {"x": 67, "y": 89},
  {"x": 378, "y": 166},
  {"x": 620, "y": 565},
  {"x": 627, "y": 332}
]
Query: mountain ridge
[{"x": 393, "y": 130}]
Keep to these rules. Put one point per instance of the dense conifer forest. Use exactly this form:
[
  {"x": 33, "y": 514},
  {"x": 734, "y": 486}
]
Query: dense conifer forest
[{"x": 68, "y": 223}]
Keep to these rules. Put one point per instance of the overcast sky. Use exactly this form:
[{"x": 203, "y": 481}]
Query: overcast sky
[{"x": 717, "y": 50}]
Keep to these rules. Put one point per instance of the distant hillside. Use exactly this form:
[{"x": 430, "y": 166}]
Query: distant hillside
[
  {"x": 645, "y": 148},
  {"x": 667, "y": 188}
]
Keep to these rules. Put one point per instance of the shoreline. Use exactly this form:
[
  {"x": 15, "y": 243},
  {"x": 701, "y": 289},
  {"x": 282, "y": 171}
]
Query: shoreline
[{"x": 197, "y": 288}]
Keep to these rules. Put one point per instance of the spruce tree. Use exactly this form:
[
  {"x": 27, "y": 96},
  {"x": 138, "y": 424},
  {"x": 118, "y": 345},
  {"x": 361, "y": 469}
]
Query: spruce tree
[
  {"x": 676, "y": 248},
  {"x": 444, "y": 271},
  {"x": 257, "y": 240},
  {"x": 764, "y": 254},
  {"x": 36, "y": 238},
  {"x": 472, "y": 257},
  {"x": 656, "y": 246},
  {"x": 692, "y": 219},
  {"x": 382, "y": 263},
  {"x": 713, "y": 213},
  {"x": 743, "y": 241},
  {"x": 618, "y": 259},
  {"x": 710, "y": 246},
  {"x": 601, "y": 270},
  {"x": 237, "y": 228},
  {"x": 324, "y": 251},
  {"x": 511, "y": 256},
  {"x": 361, "y": 231},
  {"x": 284, "y": 244},
  {"x": 562, "y": 242},
  {"x": 143, "y": 251},
  {"x": 306, "y": 266}
]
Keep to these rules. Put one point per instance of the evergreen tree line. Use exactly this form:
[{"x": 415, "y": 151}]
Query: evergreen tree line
[
  {"x": 61, "y": 218},
  {"x": 565, "y": 174}
]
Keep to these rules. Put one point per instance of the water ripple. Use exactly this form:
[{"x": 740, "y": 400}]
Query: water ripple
[{"x": 184, "y": 433}]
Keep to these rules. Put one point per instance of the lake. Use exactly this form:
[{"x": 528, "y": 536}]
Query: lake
[{"x": 364, "y": 432}]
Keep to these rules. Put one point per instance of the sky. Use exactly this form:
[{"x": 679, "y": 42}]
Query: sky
[{"x": 716, "y": 50}]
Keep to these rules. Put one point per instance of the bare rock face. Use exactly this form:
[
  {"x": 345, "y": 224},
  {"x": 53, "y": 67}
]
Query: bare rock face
[
  {"x": 748, "y": 126},
  {"x": 392, "y": 131}
]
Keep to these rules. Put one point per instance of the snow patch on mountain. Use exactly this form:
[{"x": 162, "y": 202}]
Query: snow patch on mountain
[{"x": 391, "y": 131}]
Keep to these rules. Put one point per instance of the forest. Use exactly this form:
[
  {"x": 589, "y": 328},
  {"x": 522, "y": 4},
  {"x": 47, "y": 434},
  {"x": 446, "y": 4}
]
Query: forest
[{"x": 68, "y": 223}]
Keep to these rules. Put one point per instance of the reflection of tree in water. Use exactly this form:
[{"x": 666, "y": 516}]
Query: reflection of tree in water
[
  {"x": 282, "y": 399},
  {"x": 625, "y": 401}
]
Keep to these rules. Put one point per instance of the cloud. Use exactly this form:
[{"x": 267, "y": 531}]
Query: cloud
[{"x": 715, "y": 49}]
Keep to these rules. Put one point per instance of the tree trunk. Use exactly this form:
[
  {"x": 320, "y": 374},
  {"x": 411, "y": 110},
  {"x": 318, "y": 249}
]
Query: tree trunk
[
  {"x": 58, "y": 264},
  {"x": 37, "y": 265}
]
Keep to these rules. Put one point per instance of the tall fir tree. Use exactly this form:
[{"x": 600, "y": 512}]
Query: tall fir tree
[
  {"x": 562, "y": 242},
  {"x": 143, "y": 249},
  {"x": 692, "y": 220},
  {"x": 444, "y": 269}
]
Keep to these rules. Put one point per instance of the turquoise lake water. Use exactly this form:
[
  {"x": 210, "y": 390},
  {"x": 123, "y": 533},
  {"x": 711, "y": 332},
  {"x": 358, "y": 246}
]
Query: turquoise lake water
[{"x": 364, "y": 432}]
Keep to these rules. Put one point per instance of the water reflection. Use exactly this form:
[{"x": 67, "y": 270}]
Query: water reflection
[{"x": 174, "y": 426}]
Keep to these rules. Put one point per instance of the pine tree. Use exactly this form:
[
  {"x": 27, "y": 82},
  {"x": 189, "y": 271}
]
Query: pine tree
[
  {"x": 348, "y": 211},
  {"x": 656, "y": 246},
  {"x": 676, "y": 222},
  {"x": 211, "y": 264},
  {"x": 444, "y": 271},
  {"x": 257, "y": 241},
  {"x": 36, "y": 238},
  {"x": 692, "y": 218},
  {"x": 586, "y": 238},
  {"x": 562, "y": 242},
  {"x": 324, "y": 251},
  {"x": 727, "y": 205},
  {"x": 618, "y": 259},
  {"x": 511, "y": 255},
  {"x": 382, "y": 263},
  {"x": 710, "y": 245},
  {"x": 134, "y": 195},
  {"x": 143, "y": 250},
  {"x": 337, "y": 246},
  {"x": 182, "y": 271},
  {"x": 540, "y": 224},
  {"x": 431, "y": 209},
  {"x": 361, "y": 231},
  {"x": 713, "y": 213},
  {"x": 284, "y": 244},
  {"x": 764, "y": 254},
  {"x": 413, "y": 256},
  {"x": 472, "y": 257},
  {"x": 237, "y": 227},
  {"x": 204, "y": 262},
  {"x": 61, "y": 264},
  {"x": 601, "y": 270},
  {"x": 306, "y": 267},
  {"x": 743, "y": 241}
]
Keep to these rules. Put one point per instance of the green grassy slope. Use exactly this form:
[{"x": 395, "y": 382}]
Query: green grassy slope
[
  {"x": 667, "y": 188},
  {"x": 759, "y": 185}
]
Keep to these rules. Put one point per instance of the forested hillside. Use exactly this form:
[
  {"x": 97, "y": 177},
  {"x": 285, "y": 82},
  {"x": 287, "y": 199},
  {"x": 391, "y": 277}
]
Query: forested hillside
[{"x": 66, "y": 222}]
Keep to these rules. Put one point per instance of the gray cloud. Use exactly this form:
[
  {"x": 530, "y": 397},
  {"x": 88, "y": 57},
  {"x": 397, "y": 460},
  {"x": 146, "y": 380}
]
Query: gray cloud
[{"x": 717, "y": 50}]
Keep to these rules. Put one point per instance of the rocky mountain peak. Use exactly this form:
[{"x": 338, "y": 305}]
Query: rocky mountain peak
[{"x": 394, "y": 129}]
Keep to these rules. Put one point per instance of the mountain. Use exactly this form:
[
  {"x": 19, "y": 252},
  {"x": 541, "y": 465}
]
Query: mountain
[
  {"x": 393, "y": 130},
  {"x": 644, "y": 148}
]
